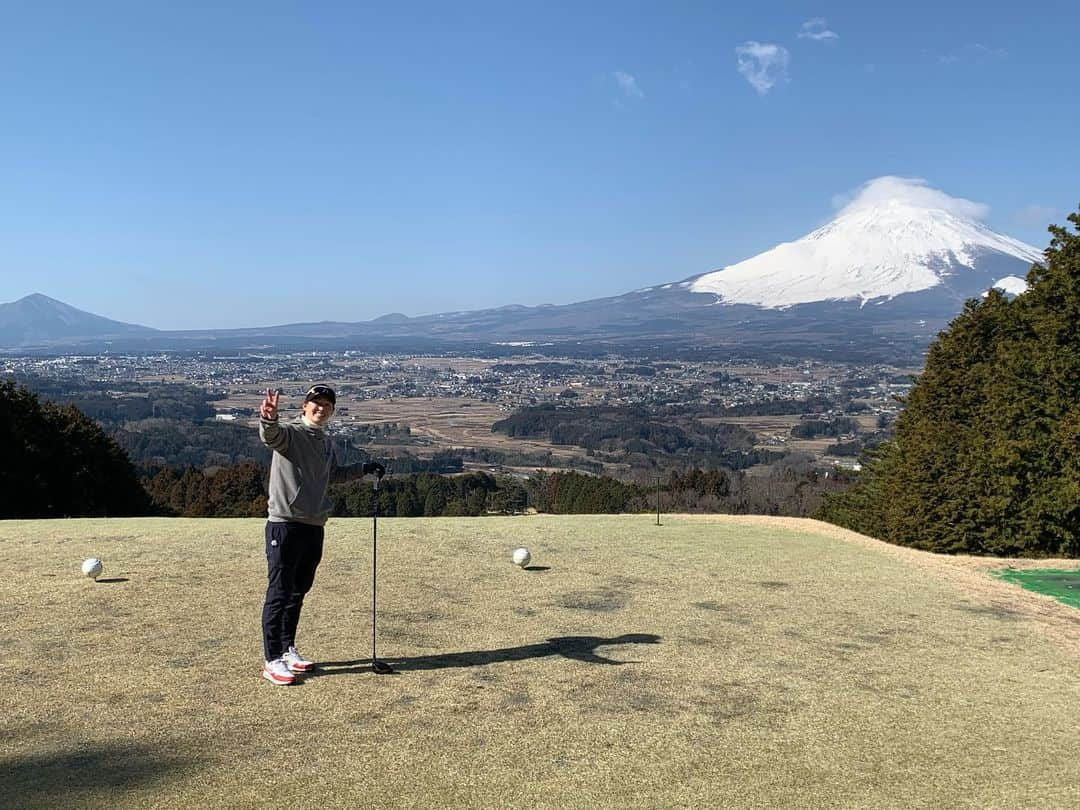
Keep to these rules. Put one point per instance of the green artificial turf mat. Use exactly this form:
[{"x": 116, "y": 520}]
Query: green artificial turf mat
[{"x": 1062, "y": 585}]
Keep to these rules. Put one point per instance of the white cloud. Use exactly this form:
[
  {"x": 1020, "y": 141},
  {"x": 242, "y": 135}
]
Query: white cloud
[
  {"x": 973, "y": 52},
  {"x": 1033, "y": 215},
  {"x": 628, "y": 84},
  {"x": 818, "y": 30},
  {"x": 913, "y": 190},
  {"x": 763, "y": 64}
]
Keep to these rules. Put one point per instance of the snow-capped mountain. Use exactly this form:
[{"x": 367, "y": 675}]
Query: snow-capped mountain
[
  {"x": 878, "y": 282},
  {"x": 871, "y": 254}
]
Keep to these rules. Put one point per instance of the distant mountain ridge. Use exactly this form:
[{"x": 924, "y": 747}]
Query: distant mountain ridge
[{"x": 877, "y": 282}]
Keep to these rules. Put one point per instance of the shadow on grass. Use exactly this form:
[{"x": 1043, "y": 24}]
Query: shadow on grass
[
  {"x": 577, "y": 648},
  {"x": 537, "y": 567},
  {"x": 92, "y": 772},
  {"x": 111, "y": 580}
]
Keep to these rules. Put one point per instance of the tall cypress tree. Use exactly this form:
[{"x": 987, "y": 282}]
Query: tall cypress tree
[
  {"x": 1048, "y": 441},
  {"x": 986, "y": 458}
]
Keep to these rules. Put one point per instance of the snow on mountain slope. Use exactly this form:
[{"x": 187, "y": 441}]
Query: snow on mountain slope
[
  {"x": 898, "y": 236},
  {"x": 1011, "y": 285}
]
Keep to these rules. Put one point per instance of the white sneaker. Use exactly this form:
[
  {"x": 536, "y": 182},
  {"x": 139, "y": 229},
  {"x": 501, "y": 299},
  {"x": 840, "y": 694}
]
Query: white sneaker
[
  {"x": 277, "y": 672},
  {"x": 296, "y": 662}
]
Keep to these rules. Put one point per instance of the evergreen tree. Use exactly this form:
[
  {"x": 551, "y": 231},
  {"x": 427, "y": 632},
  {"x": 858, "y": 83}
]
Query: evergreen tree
[
  {"x": 435, "y": 502},
  {"x": 408, "y": 505},
  {"x": 986, "y": 458},
  {"x": 238, "y": 491},
  {"x": 57, "y": 462}
]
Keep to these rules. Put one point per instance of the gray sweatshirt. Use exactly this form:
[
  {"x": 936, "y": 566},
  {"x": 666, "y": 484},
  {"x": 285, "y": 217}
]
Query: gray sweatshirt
[{"x": 303, "y": 465}]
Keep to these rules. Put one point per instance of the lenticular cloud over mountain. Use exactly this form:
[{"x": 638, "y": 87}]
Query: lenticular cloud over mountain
[
  {"x": 912, "y": 190},
  {"x": 893, "y": 236}
]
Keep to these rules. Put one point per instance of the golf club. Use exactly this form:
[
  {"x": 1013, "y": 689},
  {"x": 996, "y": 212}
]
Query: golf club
[{"x": 377, "y": 666}]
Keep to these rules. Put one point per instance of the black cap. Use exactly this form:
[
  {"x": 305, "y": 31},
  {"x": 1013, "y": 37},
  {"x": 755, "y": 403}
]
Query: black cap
[{"x": 321, "y": 391}]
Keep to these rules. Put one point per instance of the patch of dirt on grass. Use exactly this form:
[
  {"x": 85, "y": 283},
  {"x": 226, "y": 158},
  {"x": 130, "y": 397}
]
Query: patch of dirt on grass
[
  {"x": 989, "y": 610},
  {"x": 603, "y": 600},
  {"x": 516, "y": 700},
  {"x": 774, "y": 585},
  {"x": 727, "y": 704},
  {"x": 729, "y": 613}
]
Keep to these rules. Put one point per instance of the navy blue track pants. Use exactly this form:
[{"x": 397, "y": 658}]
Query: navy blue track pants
[{"x": 293, "y": 552}]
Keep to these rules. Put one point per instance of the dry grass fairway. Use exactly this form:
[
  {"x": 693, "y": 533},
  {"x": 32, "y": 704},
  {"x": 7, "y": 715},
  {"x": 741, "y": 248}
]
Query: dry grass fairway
[{"x": 793, "y": 666}]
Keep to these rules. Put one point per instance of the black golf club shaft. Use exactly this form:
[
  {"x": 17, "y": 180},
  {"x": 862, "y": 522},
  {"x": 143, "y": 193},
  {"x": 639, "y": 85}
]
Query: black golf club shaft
[
  {"x": 374, "y": 566},
  {"x": 377, "y": 666}
]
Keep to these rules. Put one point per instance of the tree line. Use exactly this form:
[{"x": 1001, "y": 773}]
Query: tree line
[
  {"x": 814, "y": 428},
  {"x": 116, "y": 402},
  {"x": 624, "y": 429},
  {"x": 60, "y": 463}
]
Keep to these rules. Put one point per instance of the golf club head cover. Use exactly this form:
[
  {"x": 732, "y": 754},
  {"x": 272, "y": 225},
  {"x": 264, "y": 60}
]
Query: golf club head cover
[{"x": 373, "y": 467}]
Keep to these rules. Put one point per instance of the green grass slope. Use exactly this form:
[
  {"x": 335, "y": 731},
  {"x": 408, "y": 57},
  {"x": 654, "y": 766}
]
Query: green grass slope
[{"x": 708, "y": 662}]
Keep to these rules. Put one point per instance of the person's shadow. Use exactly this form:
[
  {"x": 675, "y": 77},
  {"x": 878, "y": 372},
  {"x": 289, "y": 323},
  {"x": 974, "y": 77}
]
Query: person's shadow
[{"x": 578, "y": 648}]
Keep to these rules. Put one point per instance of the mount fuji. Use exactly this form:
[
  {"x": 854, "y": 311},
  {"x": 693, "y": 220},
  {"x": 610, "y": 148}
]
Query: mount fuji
[
  {"x": 877, "y": 249},
  {"x": 876, "y": 283}
]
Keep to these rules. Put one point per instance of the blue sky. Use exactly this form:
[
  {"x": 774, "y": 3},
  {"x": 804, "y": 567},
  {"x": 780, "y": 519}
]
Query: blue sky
[{"x": 205, "y": 165}]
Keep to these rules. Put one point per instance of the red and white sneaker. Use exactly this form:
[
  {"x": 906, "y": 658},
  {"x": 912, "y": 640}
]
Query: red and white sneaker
[
  {"x": 278, "y": 673},
  {"x": 296, "y": 662}
]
